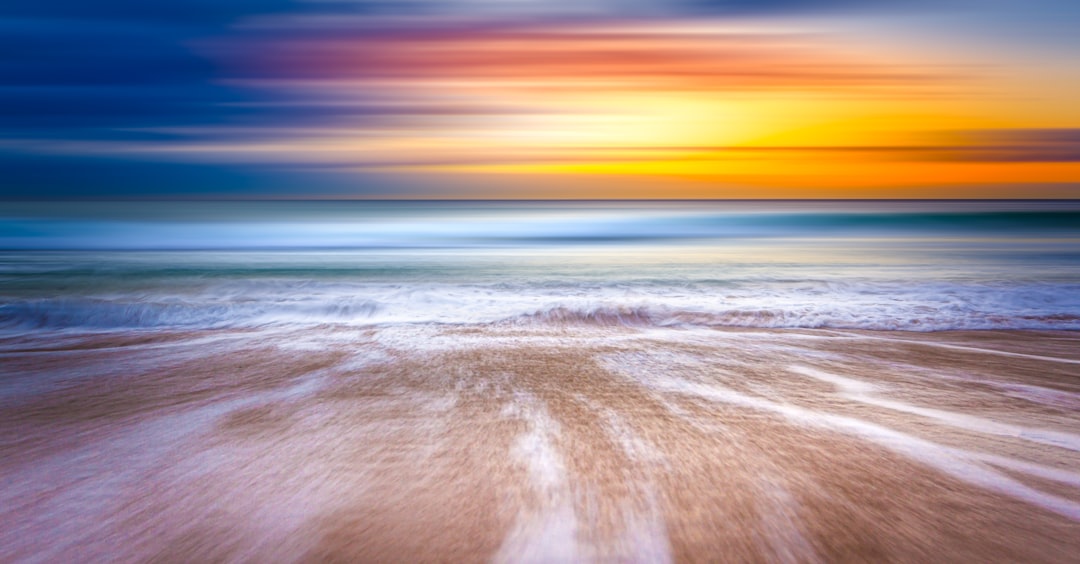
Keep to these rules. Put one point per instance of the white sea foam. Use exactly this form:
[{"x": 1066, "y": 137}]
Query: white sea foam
[
  {"x": 863, "y": 392},
  {"x": 547, "y": 531},
  {"x": 855, "y": 305},
  {"x": 971, "y": 467}
]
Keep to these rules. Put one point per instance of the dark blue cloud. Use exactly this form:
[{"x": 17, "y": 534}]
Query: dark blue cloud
[
  {"x": 30, "y": 176},
  {"x": 66, "y": 52},
  {"x": 185, "y": 12},
  {"x": 62, "y": 77},
  {"x": 113, "y": 70}
]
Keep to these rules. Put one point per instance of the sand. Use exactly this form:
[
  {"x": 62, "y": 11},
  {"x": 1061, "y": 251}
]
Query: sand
[{"x": 540, "y": 444}]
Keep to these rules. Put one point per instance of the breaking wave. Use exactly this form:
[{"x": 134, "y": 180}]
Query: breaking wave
[
  {"x": 847, "y": 307},
  {"x": 780, "y": 319},
  {"x": 101, "y": 314}
]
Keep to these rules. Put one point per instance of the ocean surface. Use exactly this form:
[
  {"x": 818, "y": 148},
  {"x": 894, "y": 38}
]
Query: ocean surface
[
  {"x": 913, "y": 266},
  {"x": 537, "y": 382}
]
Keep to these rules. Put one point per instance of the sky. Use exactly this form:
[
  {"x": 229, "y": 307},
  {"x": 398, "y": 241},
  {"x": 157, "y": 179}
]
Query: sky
[{"x": 531, "y": 99}]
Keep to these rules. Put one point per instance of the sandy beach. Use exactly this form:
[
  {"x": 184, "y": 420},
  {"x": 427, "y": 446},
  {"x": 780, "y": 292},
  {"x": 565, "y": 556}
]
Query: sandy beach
[{"x": 540, "y": 443}]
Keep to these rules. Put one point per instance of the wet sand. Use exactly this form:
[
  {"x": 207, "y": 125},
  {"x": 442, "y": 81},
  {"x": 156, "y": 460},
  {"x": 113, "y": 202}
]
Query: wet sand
[{"x": 519, "y": 443}]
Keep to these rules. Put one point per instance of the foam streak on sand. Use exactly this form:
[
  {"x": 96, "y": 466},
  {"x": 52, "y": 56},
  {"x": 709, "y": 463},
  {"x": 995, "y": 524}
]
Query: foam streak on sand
[
  {"x": 538, "y": 443},
  {"x": 548, "y": 532},
  {"x": 951, "y": 461},
  {"x": 860, "y": 391}
]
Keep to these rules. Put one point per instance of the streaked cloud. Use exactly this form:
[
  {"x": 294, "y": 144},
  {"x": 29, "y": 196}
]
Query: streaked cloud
[
  {"x": 1015, "y": 145},
  {"x": 570, "y": 57},
  {"x": 303, "y": 96}
]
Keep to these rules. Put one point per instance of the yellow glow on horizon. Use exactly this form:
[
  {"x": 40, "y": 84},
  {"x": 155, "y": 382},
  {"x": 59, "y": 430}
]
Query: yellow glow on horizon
[{"x": 706, "y": 106}]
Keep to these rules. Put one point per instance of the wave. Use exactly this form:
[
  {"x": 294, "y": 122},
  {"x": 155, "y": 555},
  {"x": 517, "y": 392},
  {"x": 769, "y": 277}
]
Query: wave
[
  {"x": 515, "y": 309},
  {"x": 73, "y": 313},
  {"x": 836, "y": 318},
  {"x": 595, "y": 316}
]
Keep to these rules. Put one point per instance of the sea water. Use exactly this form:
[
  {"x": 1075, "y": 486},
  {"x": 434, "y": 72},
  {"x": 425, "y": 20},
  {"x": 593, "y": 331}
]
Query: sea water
[{"x": 902, "y": 265}]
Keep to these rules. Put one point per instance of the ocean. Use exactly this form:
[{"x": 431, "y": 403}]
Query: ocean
[
  {"x": 920, "y": 266},
  {"x": 789, "y": 381}
]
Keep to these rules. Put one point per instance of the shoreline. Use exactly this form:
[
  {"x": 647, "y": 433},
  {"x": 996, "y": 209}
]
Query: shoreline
[{"x": 517, "y": 444}]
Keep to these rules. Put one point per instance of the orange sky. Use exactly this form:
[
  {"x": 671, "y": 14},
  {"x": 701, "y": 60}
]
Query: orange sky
[
  {"x": 668, "y": 109},
  {"x": 760, "y": 101}
]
